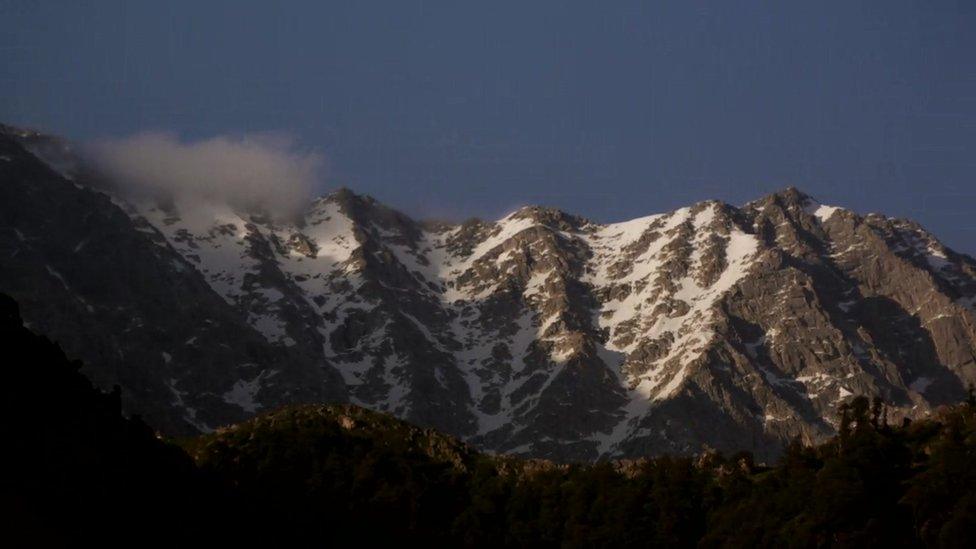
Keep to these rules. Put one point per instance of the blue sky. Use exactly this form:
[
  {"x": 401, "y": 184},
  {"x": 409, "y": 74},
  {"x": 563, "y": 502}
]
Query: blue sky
[{"x": 607, "y": 109}]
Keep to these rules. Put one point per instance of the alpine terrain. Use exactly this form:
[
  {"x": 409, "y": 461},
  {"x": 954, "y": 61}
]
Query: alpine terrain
[{"x": 542, "y": 333}]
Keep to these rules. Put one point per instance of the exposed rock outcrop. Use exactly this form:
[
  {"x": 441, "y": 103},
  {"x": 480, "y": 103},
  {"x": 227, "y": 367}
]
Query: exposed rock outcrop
[{"x": 542, "y": 333}]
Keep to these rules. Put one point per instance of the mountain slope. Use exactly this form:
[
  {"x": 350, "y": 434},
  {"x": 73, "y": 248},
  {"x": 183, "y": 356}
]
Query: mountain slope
[
  {"x": 116, "y": 295},
  {"x": 549, "y": 335}
]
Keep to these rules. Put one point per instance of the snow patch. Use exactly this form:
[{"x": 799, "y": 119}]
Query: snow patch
[
  {"x": 821, "y": 211},
  {"x": 244, "y": 391}
]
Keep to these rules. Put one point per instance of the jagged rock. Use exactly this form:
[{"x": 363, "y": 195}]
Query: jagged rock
[{"x": 542, "y": 333}]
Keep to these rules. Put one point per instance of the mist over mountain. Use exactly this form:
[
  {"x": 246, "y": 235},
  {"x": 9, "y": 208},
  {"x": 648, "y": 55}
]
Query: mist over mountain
[
  {"x": 542, "y": 333},
  {"x": 249, "y": 172}
]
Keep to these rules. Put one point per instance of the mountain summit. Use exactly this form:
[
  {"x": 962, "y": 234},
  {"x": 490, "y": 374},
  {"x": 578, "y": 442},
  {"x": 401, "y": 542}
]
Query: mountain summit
[{"x": 541, "y": 333}]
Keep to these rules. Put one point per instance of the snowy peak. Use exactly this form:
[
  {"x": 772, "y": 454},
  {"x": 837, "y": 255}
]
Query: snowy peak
[
  {"x": 541, "y": 333},
  {"x": 504, "y": 322}
]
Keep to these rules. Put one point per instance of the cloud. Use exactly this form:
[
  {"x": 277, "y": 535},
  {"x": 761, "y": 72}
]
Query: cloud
[{"x": 255, "y": 172}]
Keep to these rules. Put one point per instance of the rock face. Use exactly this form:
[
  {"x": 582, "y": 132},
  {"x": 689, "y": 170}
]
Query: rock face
[
  {"x": 111, "y": 290},
  {"x": 541, "y": 334}
]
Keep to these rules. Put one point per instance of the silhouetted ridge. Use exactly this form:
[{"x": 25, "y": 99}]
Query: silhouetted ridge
[{"x": 72, "y": 468}]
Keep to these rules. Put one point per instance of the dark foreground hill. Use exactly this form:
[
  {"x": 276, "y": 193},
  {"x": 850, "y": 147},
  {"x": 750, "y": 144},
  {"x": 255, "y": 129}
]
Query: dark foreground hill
[{"x": 74, "y": 469}]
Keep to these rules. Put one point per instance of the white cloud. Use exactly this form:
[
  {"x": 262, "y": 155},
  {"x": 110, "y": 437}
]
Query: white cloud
[{"x": 251, "y": 171}]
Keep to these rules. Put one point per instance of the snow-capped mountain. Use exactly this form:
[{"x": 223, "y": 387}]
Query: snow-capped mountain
[{"x": 541, "y": 333}]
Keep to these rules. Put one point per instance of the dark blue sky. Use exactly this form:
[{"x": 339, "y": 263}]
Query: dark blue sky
[{"x": 607, "y": 109}]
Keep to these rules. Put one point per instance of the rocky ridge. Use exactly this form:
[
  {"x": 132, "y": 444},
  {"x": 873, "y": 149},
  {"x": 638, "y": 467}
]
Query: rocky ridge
[{"x": 542, "y": 333}]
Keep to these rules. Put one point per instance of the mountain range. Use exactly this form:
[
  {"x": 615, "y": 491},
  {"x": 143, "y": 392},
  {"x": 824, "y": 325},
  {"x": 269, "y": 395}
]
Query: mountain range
[{"x": 542, "y": 334}]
